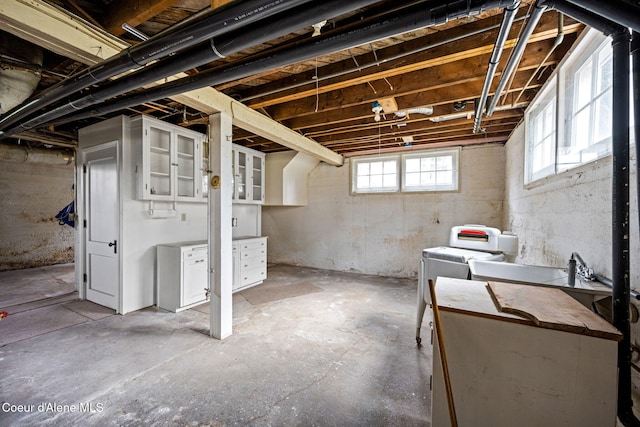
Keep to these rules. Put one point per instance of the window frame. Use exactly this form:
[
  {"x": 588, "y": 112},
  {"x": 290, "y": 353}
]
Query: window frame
[
  {"x": 428, "y": 154},
  {"x": 547, "y": 96},
  {"x": 356, "y": 161},
  {"x": 560, "y": 89},
  {"x": 401, "y": 159}
]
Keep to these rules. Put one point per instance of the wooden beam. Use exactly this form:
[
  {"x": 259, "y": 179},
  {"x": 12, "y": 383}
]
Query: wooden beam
[
  {"x": 133, "y": 13},
  {"x": 467, "y": 47},
  {"x": 217, "y": 3},
  {"x": 47, "y": 26},
  {"x": 54, "y": 30}
]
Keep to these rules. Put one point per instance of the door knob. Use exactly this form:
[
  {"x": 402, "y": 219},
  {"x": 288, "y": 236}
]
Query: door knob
[{"x": 115, "y": 246}]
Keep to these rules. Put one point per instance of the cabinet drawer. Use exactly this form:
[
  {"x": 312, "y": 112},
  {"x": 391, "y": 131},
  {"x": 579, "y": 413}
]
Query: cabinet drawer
[
  {"x": 196, "y": 252},
  {"x": 253, "y": 263},
  {"x": 252, "y": 276},
  {"x": 256, "y": 244},
  {"x": 253, "y": 253}
]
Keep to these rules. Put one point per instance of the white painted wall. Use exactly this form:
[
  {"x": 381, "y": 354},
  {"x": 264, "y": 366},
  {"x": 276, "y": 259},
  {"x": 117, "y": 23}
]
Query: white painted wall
[
  {"x": 382, "y": 234},
  {"x": 140, "y": 234},
  {"x": 569, "y": 212},
  {"x": 32, "y": 194}
]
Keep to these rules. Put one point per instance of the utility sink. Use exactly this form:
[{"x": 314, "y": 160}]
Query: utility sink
[{"x": 584, "y": 291}]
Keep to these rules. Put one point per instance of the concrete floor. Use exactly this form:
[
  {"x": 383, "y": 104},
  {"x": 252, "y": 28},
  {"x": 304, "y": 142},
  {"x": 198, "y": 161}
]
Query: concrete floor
[{"x": 312, "y": 347}]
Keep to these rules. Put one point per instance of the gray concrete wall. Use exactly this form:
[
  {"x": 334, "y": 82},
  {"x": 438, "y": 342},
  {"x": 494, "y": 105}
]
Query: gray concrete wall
[
  {"x": 31, "y": 195},
  {"x": 382, "y": 234}
]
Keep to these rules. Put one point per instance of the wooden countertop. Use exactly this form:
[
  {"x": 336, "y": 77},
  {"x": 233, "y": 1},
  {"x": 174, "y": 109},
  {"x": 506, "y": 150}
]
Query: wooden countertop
[{"x": 535, "y": 306}]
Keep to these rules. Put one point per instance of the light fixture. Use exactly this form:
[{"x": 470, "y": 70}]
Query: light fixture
[
  {"x": 317, "y": 27},
  {"x": 377, "y": 109}
]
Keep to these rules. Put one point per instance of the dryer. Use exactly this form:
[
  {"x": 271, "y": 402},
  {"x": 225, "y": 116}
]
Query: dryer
[{"x": 466, "y": 242}]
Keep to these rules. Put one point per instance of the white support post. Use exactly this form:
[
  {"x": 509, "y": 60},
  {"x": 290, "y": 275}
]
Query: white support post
[{"x": 219, "y": 233}]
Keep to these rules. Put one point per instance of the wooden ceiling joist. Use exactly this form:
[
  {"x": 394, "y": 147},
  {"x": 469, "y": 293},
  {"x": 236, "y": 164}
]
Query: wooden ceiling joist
[
  {"x": 132, "y": 13},
  {"x": 51, "y": 28}
]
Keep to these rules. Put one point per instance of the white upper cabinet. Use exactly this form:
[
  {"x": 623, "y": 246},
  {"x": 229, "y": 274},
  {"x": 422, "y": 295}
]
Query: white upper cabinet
[
  {"x": 248, "y": 175},
  {"x": 169, "y": 164}
]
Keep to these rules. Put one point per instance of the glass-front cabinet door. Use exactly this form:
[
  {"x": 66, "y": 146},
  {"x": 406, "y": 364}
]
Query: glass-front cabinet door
[
  {"x": 160, "y": 170},
  {"x": 186, "y": 167},
  {"x": 241, "y": 176},
  {"x": 257, "y": 169},
  {"x": 169, "y": 161},
  {"x": 248, "y": 175}
]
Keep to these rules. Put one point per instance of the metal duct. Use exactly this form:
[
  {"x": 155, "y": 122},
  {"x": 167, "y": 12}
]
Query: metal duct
[
  {"x": 21, "y": 154},
  {"x": 503, "y": 34},
  {"x": 408, "y": 19},
  {"x": 516, "y": 55},
  {"x": 215, "y": 48},
  {"x": 234, "y": 15}
]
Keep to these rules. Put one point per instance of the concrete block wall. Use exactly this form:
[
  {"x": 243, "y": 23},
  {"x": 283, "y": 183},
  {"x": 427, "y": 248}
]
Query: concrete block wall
[
  {"x": 570, "y": 212},
  {"x": 382, "y": 234},
  {"x": 32, "y": 194},
  {"x": 565, "y": 213}
]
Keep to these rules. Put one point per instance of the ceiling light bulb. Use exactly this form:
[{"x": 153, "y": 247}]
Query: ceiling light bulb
[{"x": 377, "y": 117}]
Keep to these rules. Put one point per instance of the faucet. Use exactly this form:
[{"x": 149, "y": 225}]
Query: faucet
[{"x": 580, "y": 269}]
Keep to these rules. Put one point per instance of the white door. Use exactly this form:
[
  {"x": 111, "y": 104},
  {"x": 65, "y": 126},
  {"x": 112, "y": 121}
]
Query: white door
[{"x": 102, "y": 225}]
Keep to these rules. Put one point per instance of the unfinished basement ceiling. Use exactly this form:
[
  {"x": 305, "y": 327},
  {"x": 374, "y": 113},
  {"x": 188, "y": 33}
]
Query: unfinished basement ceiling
[{"x": 426, "y": 81}]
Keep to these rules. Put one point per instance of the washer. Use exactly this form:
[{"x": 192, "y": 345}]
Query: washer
[{"x": 466, "y": 242}]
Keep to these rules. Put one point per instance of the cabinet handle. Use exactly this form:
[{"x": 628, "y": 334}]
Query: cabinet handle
[{"x": 200, "y": 260}]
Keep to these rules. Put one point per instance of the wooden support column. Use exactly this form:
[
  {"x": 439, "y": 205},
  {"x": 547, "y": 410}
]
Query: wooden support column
[{"x": 219, "y": 230}]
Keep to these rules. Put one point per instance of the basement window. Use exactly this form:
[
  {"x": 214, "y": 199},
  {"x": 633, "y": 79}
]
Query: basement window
[
  {"x": 377, "y": 174},
  {"x": 570, "y": 121},
  {"x": 435, "y": 170},
  {"x": 589, "y": 103},
  {"x": 424, "y": 171},
  {"x": 541, "y": 136}
]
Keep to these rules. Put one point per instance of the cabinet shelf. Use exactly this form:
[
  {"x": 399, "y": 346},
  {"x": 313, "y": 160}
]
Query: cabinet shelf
[
  {"x": 160, "y": 174},
  {"x": 185, "y": 155},
  {"x": 157, "y": 149},
  {"x": 185, "y": 178}
]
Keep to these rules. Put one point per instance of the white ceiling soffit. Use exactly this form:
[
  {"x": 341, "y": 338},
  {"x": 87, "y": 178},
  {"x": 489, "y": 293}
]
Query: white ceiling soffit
[{"x": 66, "y": 35}]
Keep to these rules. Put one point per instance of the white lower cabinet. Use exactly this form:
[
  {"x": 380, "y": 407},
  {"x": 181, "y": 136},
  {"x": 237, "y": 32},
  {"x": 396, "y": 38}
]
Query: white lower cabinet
[
  {"x": 182, "y": 270},
  {"x": 250, "y": 262},
  {"x": 506, "y": 370},
  {"x": 182, "y": 275}
]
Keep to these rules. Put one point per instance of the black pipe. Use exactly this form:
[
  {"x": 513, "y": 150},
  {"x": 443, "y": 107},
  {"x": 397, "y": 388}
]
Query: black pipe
[
  {"x": 604, "y": 25},
  {"x": 219, "y": 47},
  {"x": 405, "y": 20},
  {"x": 635, "y": 78},
  {"x": 626, "y": 13},
  {"x": 620, "y": 221},
  {"x": 234, "y": 15}
]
